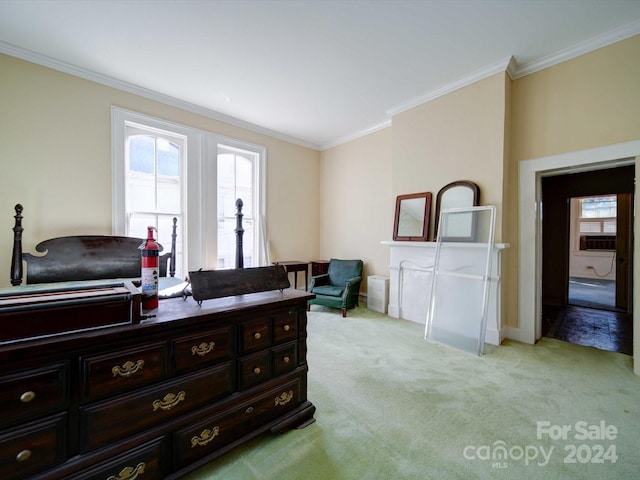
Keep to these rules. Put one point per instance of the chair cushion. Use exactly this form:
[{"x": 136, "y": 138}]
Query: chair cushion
[
  {"x": 340, "y": 271},
  {"x": 328, "y": 290}
]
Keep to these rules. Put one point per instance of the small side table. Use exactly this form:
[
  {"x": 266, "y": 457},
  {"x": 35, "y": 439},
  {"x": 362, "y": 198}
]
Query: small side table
[
  {"x": 295, "y": 267},
  {"x": 319, "y": 267}
]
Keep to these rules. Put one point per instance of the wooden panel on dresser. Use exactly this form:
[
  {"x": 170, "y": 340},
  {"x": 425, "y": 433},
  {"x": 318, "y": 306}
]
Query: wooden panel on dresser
[{"x": 114, "y": 402}]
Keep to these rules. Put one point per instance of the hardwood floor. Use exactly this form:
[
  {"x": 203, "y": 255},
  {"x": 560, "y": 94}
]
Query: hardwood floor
[{"x": 603, "y": 329}]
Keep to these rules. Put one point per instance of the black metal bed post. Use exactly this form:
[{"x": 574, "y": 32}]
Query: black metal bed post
[
  {"x": 239, "y": 232},
  {"x": 16, "y": 257}
]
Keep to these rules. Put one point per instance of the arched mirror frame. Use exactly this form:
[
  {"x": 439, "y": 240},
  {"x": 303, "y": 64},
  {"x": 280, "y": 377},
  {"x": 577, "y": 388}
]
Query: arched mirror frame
[
  {"x": 475, "y": 191},
  {"x": 399, "y": 233}
]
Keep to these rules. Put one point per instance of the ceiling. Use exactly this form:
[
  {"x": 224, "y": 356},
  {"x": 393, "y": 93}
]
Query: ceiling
[{"x": 315, "y": 72}]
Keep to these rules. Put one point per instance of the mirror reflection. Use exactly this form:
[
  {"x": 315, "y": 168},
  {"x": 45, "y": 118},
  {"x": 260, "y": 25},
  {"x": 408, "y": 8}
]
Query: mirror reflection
[
  {"x": 411, "y": 221},
  {"x": 412, "y": 217}
]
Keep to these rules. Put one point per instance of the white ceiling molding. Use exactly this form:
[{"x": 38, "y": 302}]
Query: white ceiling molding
[
  {"x": 500, "y": 66},
  {"x": 581, "y": 48},
  {"x": 356, "y": 135},
  {"x": 508, "y": 65},
  {"x": 54, "y": 64}
]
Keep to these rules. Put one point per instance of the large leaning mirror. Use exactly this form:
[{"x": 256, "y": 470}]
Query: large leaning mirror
[
  {"x": 459, "y": 194},
  {"x": 412, "y": 217}
]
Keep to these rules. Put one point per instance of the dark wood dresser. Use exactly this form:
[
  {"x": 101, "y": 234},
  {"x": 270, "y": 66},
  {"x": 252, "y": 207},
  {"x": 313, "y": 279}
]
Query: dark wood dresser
[{"x": 158, "y": 398}]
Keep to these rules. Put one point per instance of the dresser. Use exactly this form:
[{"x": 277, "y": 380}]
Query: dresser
[{"x": 158, "y": 398}]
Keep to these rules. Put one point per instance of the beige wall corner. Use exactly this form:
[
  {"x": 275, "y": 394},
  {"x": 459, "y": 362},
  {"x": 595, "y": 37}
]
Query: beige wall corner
[
  {"x": 357, "y": 205},
  {"x": 55, "y": 145}
]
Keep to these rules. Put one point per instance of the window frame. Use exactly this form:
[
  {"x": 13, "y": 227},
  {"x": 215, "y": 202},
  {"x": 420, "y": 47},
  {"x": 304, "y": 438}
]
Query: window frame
[{"x": 200, "y": 234}]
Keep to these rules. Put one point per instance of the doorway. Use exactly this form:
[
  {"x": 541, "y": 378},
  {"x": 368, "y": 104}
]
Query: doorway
[{"x": 587, "y": 258}]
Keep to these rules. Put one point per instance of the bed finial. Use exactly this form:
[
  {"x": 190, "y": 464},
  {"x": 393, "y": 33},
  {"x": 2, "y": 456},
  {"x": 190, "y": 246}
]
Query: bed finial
[
  {"x": 239, "y": 232},
  {"x": 172, "y": 259},
  {"x": 16, "y": 257}
]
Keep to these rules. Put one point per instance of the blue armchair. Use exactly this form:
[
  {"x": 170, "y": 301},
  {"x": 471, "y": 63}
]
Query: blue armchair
[{"x": 339, "y": 287}]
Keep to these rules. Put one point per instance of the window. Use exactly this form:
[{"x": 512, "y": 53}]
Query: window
[
  {"x": 598, "y": 215},
  {"x": 236, "y": 179},
  {"x": 154, "y": 162},
  {"x": 163, "y": 170}
]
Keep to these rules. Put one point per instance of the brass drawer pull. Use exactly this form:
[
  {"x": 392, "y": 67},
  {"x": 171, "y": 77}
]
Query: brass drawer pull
[
  {"x": 257, "y": 336},
  {"x": 169, "y": 401},
  {"x": 205, "y": 437},
  {"x": 249, "y": 410},
  {"x": 23, "y": 456},
  {"x": 284, "y": 398},
  {"x": 129, "y": 473},
  {"x": 286, "y": 359},
  {"x": 127, "y": 369},
  {"x": 286, "y": 328},
  {"x": 203, "y": 348},
  {"x": 256, "y": 370},
  {"x": 26, "y": 397}
]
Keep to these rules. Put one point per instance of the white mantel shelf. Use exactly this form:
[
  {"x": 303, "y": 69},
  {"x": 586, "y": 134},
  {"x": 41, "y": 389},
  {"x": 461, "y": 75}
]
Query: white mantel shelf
[{"x": 410, "y": 282}]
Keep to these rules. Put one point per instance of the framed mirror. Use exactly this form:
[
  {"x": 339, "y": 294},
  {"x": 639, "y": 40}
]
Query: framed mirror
[
  {"x": 412, "y": 217},
  {"x": 459, "y": 194}
]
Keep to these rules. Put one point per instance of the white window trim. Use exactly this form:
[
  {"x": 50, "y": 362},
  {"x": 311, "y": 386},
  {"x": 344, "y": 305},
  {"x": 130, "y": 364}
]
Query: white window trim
[
  {"x": 209, "y": 175},
  {"x": 200, "y": 227}
]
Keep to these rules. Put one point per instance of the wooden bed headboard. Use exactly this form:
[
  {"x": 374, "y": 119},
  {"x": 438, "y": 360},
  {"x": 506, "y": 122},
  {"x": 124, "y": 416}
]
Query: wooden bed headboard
[{"x": 83, "y": 257}]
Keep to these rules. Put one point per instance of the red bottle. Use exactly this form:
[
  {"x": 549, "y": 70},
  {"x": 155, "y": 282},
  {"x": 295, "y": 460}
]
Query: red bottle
[{"x": 150, "y": 271}]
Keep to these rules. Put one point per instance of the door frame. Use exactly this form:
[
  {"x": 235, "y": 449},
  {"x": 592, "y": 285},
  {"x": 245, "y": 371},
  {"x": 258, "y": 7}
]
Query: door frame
[{"x": 529, "y": 328}]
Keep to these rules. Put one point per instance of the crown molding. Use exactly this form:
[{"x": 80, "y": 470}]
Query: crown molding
[
  {"x": 578, "y": 49},
  {"x": 70, "y": 69},
  {"x": 356, "y": 135},
  {"x": 497, "y": 67}
]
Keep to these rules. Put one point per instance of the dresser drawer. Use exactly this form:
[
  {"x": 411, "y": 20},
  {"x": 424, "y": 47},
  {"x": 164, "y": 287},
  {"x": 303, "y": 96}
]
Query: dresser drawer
[
  {"x": 205, "y": 437},
  {"x": 212, "y": 433},
  {"x": 33, "y": 393},
  {"x": 30, "y": 448},
  {"x": 254, "y": 369},
  {"x": 285, "y": 326},
  {"x": 145, "y": 462},
  {"x": 255, "y": 335},
  {"x": 285, "y": 358},
  {"x": 107, "y": 421},
  {"x": 271, "y": 405},
  {"x": 199, "y": 350},
  {"x": 123, "y": 370}
]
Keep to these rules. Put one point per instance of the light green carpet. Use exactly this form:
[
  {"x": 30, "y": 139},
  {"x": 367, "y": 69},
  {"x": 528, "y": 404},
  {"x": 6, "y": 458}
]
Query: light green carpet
[{"x": 391, "y": 405}]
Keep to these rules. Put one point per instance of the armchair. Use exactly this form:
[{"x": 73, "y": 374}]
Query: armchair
[{"x": 339, "y": 287}]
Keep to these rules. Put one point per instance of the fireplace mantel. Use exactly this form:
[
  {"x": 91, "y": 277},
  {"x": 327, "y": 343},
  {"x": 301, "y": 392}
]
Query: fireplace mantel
[{"x": 410, "y": 272}]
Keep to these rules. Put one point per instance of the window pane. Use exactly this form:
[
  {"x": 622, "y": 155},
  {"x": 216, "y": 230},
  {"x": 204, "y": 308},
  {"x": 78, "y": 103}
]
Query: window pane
[
  {"x": 609, "y": 226},
  {"x": 594, "y": 207},
  {"x": 142, "y": 153},
  {"x": 226, "y": 169},
  {"x": 244, "y": 172},
  {"x": 138, "y": 224},
  {"x": 168, "y": 158},
  {"x": 589, "y": 227},
  {"x": 141, "y": 193},
  {"x": 168, "y": 196},
  {"x": 226, "y": 243}
]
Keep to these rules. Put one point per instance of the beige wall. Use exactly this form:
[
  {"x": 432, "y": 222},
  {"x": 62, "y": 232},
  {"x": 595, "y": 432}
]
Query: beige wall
[
  {"x": 589, "y": 101},
  {"x": 55, "y": 127},
  {"x": 481, "y": 132},
  {"x": 357, "y": 205},
  {"x": 459, "y": 136},
  {"x": 55, "y": 149}
]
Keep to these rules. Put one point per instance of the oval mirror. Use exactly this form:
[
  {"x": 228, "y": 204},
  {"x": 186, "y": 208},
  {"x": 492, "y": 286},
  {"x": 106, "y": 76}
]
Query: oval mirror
[{"x": 459, "y": 194}]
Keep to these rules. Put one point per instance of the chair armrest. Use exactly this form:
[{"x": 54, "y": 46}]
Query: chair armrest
[
  {"x": 352, "y": 287},
  {"x": 318, "y": 280}
]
